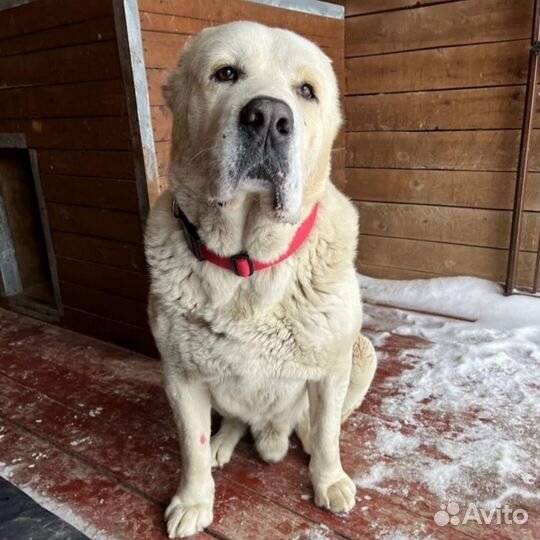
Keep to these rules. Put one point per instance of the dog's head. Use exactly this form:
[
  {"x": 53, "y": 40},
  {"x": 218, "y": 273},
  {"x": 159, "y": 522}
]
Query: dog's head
[{"x": 255, "y": 110}]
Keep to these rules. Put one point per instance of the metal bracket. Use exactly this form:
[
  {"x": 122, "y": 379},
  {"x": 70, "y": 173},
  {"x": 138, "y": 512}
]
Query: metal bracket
[{"x": 535, "y": 47}]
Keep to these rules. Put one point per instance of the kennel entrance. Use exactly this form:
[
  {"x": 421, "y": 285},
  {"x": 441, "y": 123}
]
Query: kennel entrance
[{"x": 28, "y": 279}]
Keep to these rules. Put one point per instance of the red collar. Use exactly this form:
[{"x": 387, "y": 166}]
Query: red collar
[{"x": 241, "y": 264}]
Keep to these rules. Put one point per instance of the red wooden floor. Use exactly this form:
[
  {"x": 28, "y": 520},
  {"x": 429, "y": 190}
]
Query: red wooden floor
[{"x": 86, "y": 430}]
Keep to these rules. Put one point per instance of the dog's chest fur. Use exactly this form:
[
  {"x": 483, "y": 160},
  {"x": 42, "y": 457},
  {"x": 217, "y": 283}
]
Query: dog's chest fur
[{"x": 254, "y": 341}]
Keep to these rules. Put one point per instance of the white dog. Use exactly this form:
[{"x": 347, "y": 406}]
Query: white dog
[{"x": 254, "y": 302}]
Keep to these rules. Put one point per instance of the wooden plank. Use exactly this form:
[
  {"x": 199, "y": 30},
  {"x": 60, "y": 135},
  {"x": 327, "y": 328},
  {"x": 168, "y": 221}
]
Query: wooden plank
[
  {"x": 103, "y": 328},
  {"x": 99, "y": 250},
  {"x": 88, "y": 31},
  {"x": 87, "y": 163},
  {"x": 70, "y": 64},
  {"x": 42, "y": 14},
  {"x": 104, "y": 304},
  {"x": 467, "y": 226},
  {"x": 216, "y": 10},
  {"x": 471, "y": 189},
  {"x": 88, "y": 191},
  {"x": 75, "y": 99},
  {"x": 481, "y": 108},
  {"x": 99, "y": 222},
  {"x": 73, "y": 485},
  {"x": 461, "y": 150},
  {"x": 387, "y": 272},
  {"x": 439, "y": 25},
  {"x": 491, "y": 64},
  {"x": 170, "y": 23},
  {"x": 441, "y": 258},
  {"x": 184, "y": 25},
  {"x": 94, "y": 133},
  {"x": 162, "y": 50},
  {"x": 362, "y": 7},
  {"x": 107, "y": 279}
]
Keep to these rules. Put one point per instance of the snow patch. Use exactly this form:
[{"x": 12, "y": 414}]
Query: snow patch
[{"x": 478, "y": 386}]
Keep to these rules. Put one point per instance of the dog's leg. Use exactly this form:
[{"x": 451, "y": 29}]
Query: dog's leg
[
  {"x": 364, "y": 365},
  {"x": 333, "y": 489},
  {"x": 190, "y": 510},
  {"x": 225, "y": 440}
]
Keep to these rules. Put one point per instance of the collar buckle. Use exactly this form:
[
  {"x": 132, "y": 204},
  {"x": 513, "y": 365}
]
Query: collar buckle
[{"x": 242, "y": 265}]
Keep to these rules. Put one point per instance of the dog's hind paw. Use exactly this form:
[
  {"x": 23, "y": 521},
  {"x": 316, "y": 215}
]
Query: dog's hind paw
[
  {"x": 187, "y": 519},
  {"x": 225, "y": 440},
  {"x": 272, "y": 444}
]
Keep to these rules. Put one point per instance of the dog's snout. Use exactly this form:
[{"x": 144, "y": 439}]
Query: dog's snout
[{"x": 266, "y": 116}]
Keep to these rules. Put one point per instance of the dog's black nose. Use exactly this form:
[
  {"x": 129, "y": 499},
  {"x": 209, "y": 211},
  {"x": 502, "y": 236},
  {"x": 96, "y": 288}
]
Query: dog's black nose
[{"x": 264, "y": 116}]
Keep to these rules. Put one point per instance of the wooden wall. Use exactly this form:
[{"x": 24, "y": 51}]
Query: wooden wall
[
  {"x": 60, "y": 85},
  {"x": 168, "y": 24},
  {"x": 434, "y": 102}
]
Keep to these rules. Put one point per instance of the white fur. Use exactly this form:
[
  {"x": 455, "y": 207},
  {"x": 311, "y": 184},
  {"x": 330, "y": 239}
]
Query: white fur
[{"x": 274, "y": 351}]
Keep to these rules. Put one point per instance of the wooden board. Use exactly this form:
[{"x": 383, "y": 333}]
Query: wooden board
[
  {"x": 89, "y": 191},
  {"x": 466, "y": 226},
  {"x": 362, "y": 7},
  {"x": 441, "y": 258},
  {"x": 94, "y": 133},
  {"x": 472, "y": 189},
  {"x": 64, "y": 100},
  {"x": 111, "y": 164},
  {"x": 439, "y": 25},
  {"x": 458, "y": 150},
  {"x": 216, "y": 10},
  {"x": 477, "y": 108},
  {"x": 68, "y": 64},
  {"x": 491, "y": 64},
  {"x": 110, "y": 224},
  {"x": 88, "y": 31},
  {"x": 105, "y": 305},
  {"x": 107, "y": 279},
  {"x": 37, "y": 16},
  {"x": 102, "y": 251},
  {"x": 162, "y": 49}
]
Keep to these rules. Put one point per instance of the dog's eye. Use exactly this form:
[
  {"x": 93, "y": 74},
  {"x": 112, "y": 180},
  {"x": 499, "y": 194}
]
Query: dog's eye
[
  {"x": 226, "y": 74},
  {"x": 306, "y": 91}
]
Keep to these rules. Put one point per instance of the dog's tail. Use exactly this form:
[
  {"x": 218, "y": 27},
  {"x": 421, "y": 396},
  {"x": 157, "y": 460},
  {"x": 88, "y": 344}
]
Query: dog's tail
[{"x": 364, "y": 365}]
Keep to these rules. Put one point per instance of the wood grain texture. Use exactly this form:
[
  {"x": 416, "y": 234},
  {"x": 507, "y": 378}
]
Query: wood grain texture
[
  {"x": 64, "y": 100},
  {"x": 441, "y": 258},
  {"x": 466, "y": 226},
  {"x": 104, "y": 278},
  {"x": 111, "y": 164},
  {"x": 38, "y": 16},
  {"x": 93, "y": 133},
  {"x": 456, "y": 150},
  {"x": 103, "y": 251},
  {"x": 90, "y": 191},
  {"x": 362, "y": 7},
  {"x": 88, "y": 31},
  {"x": 439, "y": 25},
  {"x": 68, "y": 64},
  {"x": 492, "y": 64},
  {"x": 110, "y": 224},
  {"x": 476, "y": 108},
  {"x": 468, "y": 189}
]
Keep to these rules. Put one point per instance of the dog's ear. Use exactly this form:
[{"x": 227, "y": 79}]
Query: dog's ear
[{"x": 177, "y": 83}]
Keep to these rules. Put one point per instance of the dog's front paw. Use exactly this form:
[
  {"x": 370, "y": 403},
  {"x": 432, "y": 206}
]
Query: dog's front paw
[
  {"x": 185, "y": 516},
  {"x": 338, "y": 496}
]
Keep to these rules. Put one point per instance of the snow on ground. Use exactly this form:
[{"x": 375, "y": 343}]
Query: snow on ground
[{"x": 480, "y": 380}]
